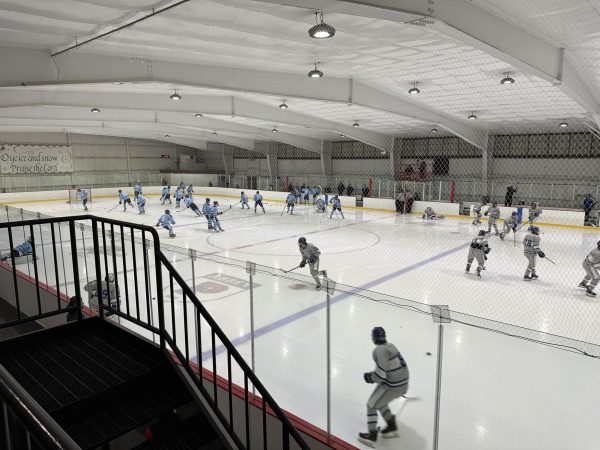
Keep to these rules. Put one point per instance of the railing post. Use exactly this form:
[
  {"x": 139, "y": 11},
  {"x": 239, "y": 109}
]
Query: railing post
[
  {"x": 440, "y": 315},
  {"x": 251, "y": 270},
  {"x": 97, "y": 264},
  {"x": 330, "y": 288},
  {"x": 440, "y": 192},
  {"x": 76, "y": 269},
  {"x": 159, "y": 294}
]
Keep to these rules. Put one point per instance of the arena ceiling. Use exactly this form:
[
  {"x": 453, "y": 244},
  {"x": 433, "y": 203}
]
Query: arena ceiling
[{"x": 234, "y": 62}]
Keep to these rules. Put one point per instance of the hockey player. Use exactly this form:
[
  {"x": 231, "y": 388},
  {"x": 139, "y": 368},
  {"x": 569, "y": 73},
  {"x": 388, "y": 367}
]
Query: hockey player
[
  {"x": 477, "y": 211},
  {"x": 591, "y": 265},
  {"x": 510, "y": 224},
  {"x": 181, "y": 185},
  {"x": 166, "y": 221},
  {"x": 336, "y": 206},
  {"x": 493, "y": 214},
  {"x": 244, "y": 200},
  {"x": 531, "y": 248},
  {"x": 306, "y": 194},
  {"x": 187, "y": 201},
  {"x": 165, "y": 195},
  {"x": 24, "y": 249},
  {"x": 141, "y": 203},
  {"x": 110, "y": 293},
  {"x": 206, "y": 211},
  {"x": 310, "y": 253},
  {"x": 83, "y": 195},
  {"x": 137, "y": 190},
  {"x": 429, "y": 214},
  {"x": 320, "y": 204},
  {"x": 179, "y": 195},
  {"x": 391, "y": 376},
  {"x": 214, "y": 213},
  {"x": 124, "y": 200},
  {"x": 478, "y": 249},
  {"x": 534, "y": 212},
  {"x": 258, "y": 201},
  {"x": 190, "y": 191},
  {"x": 290, "y": 201}
]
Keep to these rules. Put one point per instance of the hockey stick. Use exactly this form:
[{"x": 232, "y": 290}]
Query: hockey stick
[
  {"x": 283, "y": 210},
  {"x": 549, "y": 260},
  {"x": 515, "y": 233},
  {"x": 288, "y": 271},
  {"x": 118, "y": 204}
]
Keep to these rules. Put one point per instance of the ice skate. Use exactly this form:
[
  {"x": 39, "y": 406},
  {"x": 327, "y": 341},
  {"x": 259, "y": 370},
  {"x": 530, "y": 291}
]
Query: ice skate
[
  {"x": 534, "y": 276},
  {"x": 318, "y": 287},
  {"x": 468, "y": 268},
  {"x": 478, "y": 272},
  {"x": 369, "y": 438},
  {"x": 583, "y": 285},
  {"x": 391, "y": 430},
  {"x": 527, "y": 278},
  {"x": 590, "y": 292}
]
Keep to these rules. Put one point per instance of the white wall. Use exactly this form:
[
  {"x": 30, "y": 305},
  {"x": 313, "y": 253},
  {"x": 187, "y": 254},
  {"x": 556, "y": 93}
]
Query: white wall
[
  {"x": 545, "y": 168},
  {"x": 365, "y": 167},
  {"x": 291, "y": 167}
]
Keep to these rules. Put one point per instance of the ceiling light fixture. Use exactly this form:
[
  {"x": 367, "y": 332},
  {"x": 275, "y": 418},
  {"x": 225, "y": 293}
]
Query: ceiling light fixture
[
  {"x": 564, "y": 124},
  {"x": 95, "y": 110},
  {"x": 214, "y": 132},
  {"x": 283, "y": 105},
  {"x": 274, "y": 130},
  {"x": 472, "y": 116},
  {"x": 321, "y": 30},
  {"x": 507, "y": 79},
  {"x": 342, "y": 135},
  {"x": 197, "y": 115},
  {"x": 356, "y": 124},
  {"x": 414, "y": 90},
  {"x": 315, "y": 73},
  {"x": 434, "y": 130},
  {"x": 117, "y": 83},
  {"x": 167, "y": 135},
  {"x": 175, "y": 96}
]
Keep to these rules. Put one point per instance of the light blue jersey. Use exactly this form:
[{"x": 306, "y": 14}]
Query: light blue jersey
[
  {"x": 291, "y": 199},
  {"x": 24, "y": 249},
  {"x": 258, "y": 197},
  {"x": 83, "y": 195},
  {"x": 179, "y": 193},
  {"x": 206, "y": 207},
  {"x": 244, "y": 198},
  {"x": 137, "y": 187},
  {"x": 166, "y": 191},
  {"x": 336, "y": 202},
  {"x": 187, "y": 202},
  {"x": 123, "y": 196},
  {"x": 141, "y": 200},
  {"x": 166, "y": 220}
]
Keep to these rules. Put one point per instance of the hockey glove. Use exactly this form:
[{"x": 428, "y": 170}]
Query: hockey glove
[
  {"x": 485, "y": 213},
  {"x": 302, "y": 264},
  {"x": 514, "y": 229},
  {"x": 120, "y": 202},
  {"x": 487, "y": 250},
  {"x": 368, "y": 376},
  {"x": 541, "y": 254}
]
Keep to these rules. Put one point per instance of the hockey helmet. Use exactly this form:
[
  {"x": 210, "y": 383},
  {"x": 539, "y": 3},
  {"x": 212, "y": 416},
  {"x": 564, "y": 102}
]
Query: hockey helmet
[
  {"x": 302, "y": 241},
  {"x": 216, "y": 203},
  {"x": 167, "y": 212},
  {"x": 30, "y": 239},
  {"x": 494, "y": 204},
  {"x": 378, "y": 334},
  {"x": 207, "y": 200},
  {"x": 110, "y": 278},
  {"x": 120, "y": 190},
  {"x": 514, "y": 213},
  {"x": 535, "y": 230},
  {"x": 481, "y": 233}
]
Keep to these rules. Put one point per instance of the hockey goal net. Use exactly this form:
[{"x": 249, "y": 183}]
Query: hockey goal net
[{"x": 76, "y": 196}]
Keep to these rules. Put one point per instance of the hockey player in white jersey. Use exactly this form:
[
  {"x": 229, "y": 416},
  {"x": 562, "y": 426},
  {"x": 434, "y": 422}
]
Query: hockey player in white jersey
[
  {"x": 110, "y": 293},
  {"x": 510, "y": 223},
  {"x": 591, "y": 265},
  {"x": 478, "y": 250},
  {"x": 429, "y": 214},
  {"x": 310, "y": 254},
  {"x": 320, "y": 205},
  {"x": 493, "y": 214},
  {"x": 531, "y": 249},
  {"x": 391, "y": 376},
  {"x": 477, "y": 211},
  {"x": 534, "y": 212}
]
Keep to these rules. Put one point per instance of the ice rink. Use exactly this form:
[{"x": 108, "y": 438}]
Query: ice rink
[{"x": 498, "y": 392}]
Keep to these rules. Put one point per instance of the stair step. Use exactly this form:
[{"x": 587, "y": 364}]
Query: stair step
[{"x": 192, "y": 434}]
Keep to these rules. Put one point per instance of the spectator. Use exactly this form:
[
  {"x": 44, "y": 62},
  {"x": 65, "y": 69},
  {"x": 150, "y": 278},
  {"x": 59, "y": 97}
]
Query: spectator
[
  {"x": 210, "y": 184},
  {"x": 510, "y": 190},
  {"x": 409, "y": 201},
  {"x": 341, "y": 187},
  {"x": 72, "y": 315},
  {"x": 588, "y": 205},
  {"x": 400, "y": 203},
  {"x": 365, "y": 191},
  {"x": 349, "y": 190},
  {"x": 423, "y": 169},
  {"x": 410, "y": 170}
]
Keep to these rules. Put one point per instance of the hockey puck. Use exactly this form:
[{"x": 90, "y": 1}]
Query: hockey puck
[{"x": 428, "y": 353}]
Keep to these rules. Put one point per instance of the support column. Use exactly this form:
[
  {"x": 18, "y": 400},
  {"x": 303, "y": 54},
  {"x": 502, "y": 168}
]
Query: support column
[
  {"x": 486, "y": 165},
  {"x": 395, "y": 157},
  {"x": 272, "y": 160},
  {"x": 326, "y": 159}
]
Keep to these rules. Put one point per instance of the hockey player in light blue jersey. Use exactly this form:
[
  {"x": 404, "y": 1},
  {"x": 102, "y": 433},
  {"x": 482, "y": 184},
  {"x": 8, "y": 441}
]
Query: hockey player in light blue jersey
[
  {"x": 165, "y": 195},
  {"x": 190, "y": 191},
  {"x": 166, "y": 221},
  {"x": 320, "y": 205},
  {"x": 493, "y": 214},
  {"x": 124, "y": 200},
  {"x": 258, "y": 198},
  {"x": 337, "y": 206},
  {"x": 187, "y": 201},
  {"x": 137, "y": 190},
  {"x": 179, "y": 196},
  {"x": 214, "y": 216},
  {"x": 510, "y": 223},
  {"x": 206, "y": 208},
  {"x": 244, "y": 200},
  {"x": 290, "y": 201},
  {"x": 531, "y": 249},
  {"x": 306, "y": 195},
  {"x": 24, "y": 249},
  {"x": 141, "y": 203},
  {"x": 83, "y": 195}
]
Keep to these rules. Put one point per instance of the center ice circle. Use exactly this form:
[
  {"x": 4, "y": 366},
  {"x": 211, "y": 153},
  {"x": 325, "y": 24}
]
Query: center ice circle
[{"x": 279, "y": 240}]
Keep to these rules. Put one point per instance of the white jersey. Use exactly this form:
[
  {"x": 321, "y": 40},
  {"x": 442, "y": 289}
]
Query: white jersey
[
  {"x": 531, "y": 244},
  {"x": 593, "y": 258},
  {"x": 310, "y": 252},
  {"x": 390, "y": 368},
  {"x": 92, "y": 290}
]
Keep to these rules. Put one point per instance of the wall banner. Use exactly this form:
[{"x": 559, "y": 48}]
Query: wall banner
[{"x": 31, "y": 159}]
